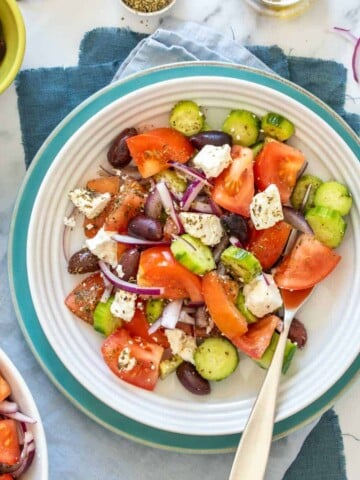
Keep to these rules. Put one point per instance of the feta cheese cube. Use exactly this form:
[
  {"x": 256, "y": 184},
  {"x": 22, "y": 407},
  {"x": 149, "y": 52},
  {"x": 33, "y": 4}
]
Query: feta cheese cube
[
  {"x": 104, "y": 247},
  {"x": 212, "y": 160},
  {"x": 181, "y": 344},
  {"x": 266, "y": 208},
  {"x": 125, "y": 361},
  {"x": 205, "y": 226},
  {"x": 90, "y": 203},
  {"x": 124, "y": 305},
  {"x": 262, "y": 295}
]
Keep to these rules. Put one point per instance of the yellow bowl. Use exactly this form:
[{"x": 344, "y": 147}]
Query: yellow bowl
[{"x": 13, "y": 31}]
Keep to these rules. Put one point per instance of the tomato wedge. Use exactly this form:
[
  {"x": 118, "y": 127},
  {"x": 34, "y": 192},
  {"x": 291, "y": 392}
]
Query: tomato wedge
[
  {"x": 9, "y": 442},
  {"x": 158, "y": 267},
  {"x": 308, "y": 263},
  {"x": 5, "y": 389},
  {"x": 279, "y": 164},
  {"x": 234, "y": 187},
  {"x": 6, "y": 476},
  {"x": 152, "y": 150},
  {"x": 82, "y": 300},
  {"x": 268, "y": 244},
  {"x": 256, "y": 340},
  {"x": 125, "y": 206},
  {"x": 222, "y": 310},
  {"x": 139, "y": 326},
  {"x": 132, "y": 358}
]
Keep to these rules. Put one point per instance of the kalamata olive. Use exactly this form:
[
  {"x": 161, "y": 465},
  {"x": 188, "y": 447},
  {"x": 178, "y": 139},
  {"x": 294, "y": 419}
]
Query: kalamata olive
[
  {"x": 83, "y": 261},
  {"x": 210, "y": 137},
  {"x": 145, "y": 227},
  {"x": 235, "y": 225},
  {"x": 129, "y": 262},
  {"x": 297, "y": 333},
  {"x": 191, "y": 379},
  {"x": 118, "y": 154},
  {"x": 153, "y": 205}
]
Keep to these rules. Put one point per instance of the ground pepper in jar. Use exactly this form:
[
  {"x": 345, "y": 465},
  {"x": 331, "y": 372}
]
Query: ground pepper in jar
[{"x": 147, "y": 6}]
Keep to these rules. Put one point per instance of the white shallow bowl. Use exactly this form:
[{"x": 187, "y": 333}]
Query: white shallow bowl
[
  {"x": 38, "y": 470},
  {"x": 74, "y": 153}
]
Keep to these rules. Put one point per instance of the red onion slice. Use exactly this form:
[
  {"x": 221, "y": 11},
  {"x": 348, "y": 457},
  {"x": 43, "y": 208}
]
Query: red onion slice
[
  {"x": 216, "y": 210},
  {"x": 192, "y": 172},
  {"x": 7, "y": 407},
  {"x": 137, "y": 241},
  {"x": 201, "y": 207},
  {"x": 190, "y": 194},
  {"x": 169, "y": 317},
  {"x": 168, "y": 204},
  {"x": 296, "y": 220},
  {"x": 20, "y": 417},
  {"x": 127, "y": 286},
  {"x": 235, "y": 241}
]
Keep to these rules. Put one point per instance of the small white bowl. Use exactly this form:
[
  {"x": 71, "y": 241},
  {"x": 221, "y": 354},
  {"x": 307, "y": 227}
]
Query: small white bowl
[
  {"x": 38, "y": 469},
  {"x": 155, "y": 13}
]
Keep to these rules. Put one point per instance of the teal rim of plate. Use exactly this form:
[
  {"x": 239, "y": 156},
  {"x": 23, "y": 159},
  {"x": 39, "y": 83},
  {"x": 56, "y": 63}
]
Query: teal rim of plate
[{"x": 19, "y": 284}]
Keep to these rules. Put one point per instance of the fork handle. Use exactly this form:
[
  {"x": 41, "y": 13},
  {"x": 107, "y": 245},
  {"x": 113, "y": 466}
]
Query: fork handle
[{"x": 253, "y": 451}]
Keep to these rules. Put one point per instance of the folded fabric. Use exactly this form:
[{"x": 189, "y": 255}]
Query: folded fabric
[{"x": 46, "y": 96}]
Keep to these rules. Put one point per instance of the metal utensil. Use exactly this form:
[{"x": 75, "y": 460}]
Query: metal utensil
[
  {"x": 280, "y": 3},
  {"x": 253, "y": 451}
]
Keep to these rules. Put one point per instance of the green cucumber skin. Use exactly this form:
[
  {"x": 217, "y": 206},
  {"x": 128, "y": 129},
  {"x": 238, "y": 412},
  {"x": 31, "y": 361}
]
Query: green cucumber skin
[
  {"x": 243, "y": 126},
  {"x": 154, "y": 308},
  {"x": 290, "y": 350},
  {"x": 104, "y": 322},
  {"x": 277, "y": 126},
  {"x": 169, "y": 365},
  {"x": 241, "y": 263},
  {"x": 327, "y": 224},
  {"x": 299, "y": 191},
  {"x": 187, "y": 118},
  {"x": 334, "y": 195},
  {"x": 216, "y": 358},
  {"x": 240, "y": 305},
  {"x": 193, "y": 254}
]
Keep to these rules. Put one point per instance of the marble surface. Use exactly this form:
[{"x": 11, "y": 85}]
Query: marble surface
[{"x": 55, "y": 28}]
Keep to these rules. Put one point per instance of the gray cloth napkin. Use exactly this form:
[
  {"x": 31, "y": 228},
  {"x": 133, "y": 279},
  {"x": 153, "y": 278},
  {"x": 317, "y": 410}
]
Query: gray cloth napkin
[{"x": 178, "y": 42}]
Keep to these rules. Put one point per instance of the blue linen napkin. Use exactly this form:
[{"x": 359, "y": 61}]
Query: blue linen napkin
[{"x": 46, "y": 96}]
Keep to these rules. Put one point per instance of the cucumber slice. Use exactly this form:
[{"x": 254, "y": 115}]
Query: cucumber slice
[
  {"x": 334, "y": 195},
  {"x": 240, "y": 305},
  {"x": 193, "y": 254},
  {"x": 216, "y": 358},
  {"x": 290, "y": 350},
  {"x": 257, "y": 148},
  {"x": 186, "y": 117},
  {"x": 104, "y": 321},
  {"x": 154, "y": 308},
  {"x": 243, "y": 126},
  {"x": 277, "y": 126},
  {"x": 327, "y": 224},
  {"x": 174, "y": 182},
  {"x": 300, "y": 189},
  {"x": 241, "y": 263},
  {"x": 169, "y": 365}
]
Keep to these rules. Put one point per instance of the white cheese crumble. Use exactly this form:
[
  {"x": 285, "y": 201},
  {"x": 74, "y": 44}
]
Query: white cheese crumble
[
  {"x": 90, "y": 203},
  {"x": 104, "y": 247},
  {"x": 212, "y": 160},
  {"x": 70, "y": 222},
  {"x": 262, "y": 296},
  {"x": 125, "y": 361},
  {"x": 266, "y": 209},
  {"x": 124, "y": 305},
  {"x": 181, "y": 344},
  {"x": 119, "y": 270},
  {"x": 205, "y": 226}
]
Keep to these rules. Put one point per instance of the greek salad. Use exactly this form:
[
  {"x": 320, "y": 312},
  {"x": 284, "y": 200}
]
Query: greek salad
[
  {"x": 17, "y": 444},
  {"x": 185, "y": 253}
]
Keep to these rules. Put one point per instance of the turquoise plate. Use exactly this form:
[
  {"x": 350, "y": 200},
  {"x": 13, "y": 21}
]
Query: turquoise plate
[{"x": 29, "y": 323}]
